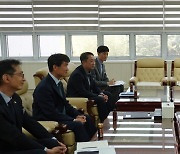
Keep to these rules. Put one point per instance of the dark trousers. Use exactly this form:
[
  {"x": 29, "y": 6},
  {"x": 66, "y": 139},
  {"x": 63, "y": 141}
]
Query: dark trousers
[
  {"x": 35, "y": 151},
  {"x": 49, "y": 143},
  {"x": 115, "y": 91},
  {"x": 83, "y": 132},
  {"x": 104, "y": 108}
]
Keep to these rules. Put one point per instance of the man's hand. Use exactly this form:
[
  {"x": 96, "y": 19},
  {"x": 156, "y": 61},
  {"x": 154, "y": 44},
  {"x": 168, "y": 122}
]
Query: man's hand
[
  {"x": 104, "y": 96},
  {"x": 64, "y": 146},
  {"x": 80, "y": 118},
  {"x": 111, "y": 82},
  {"x": 57, "y": 150}
]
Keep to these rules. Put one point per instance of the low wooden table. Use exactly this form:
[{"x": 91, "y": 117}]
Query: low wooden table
[
  {"x": 140, "y": 136},
  {"x": 139, "y": 104}
]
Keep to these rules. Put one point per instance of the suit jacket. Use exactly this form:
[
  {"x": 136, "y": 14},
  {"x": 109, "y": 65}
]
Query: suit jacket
[
  {"x": 49, "y": 104},
  {"x": 78, "y": 85},
  {"x": 11, "y": 136},
  {"x": 101, "y": 79}
]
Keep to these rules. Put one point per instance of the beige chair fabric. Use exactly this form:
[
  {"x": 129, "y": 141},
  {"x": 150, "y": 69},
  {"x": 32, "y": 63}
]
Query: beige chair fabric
[
  {"x": 27, "y": 100},
  {"x": 150, "y": 70}
]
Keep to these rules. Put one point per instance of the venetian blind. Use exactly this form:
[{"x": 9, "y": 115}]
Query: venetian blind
[
  {"x": 172, "y": 15},
  {"x": 65, "y": 15},
  {"x": 16, "y": 15},
  {"x": 131, "y": 15},
  {"x": 90, "y": 15}
]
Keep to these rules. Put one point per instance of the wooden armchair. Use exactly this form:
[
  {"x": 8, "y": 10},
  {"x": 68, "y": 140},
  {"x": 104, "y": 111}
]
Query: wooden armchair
[{"x": 149, "y": 71}]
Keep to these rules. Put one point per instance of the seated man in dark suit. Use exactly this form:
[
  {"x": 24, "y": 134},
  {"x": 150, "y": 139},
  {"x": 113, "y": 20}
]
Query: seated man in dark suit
[
  {"x": 100, "y": 76},
  {"x": 13, "y": 117},
  {"x": 81, "y": 84},
  {"x": 50, "y": 101}
]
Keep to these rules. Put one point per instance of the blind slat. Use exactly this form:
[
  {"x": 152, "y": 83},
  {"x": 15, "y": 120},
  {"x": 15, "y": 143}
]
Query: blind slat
[
  {"x": 65, "y": 22},
  {"x": 65, "y": 9}
]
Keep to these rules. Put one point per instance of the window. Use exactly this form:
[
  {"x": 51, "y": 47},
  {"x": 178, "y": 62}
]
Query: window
[
  {"x": 118, "y": 44},
  {"x": 174, "y": 45},
  {"x": 148, "y": 45},
  {"x": 51, "y": 44},
  {"x": 84, "y": 43},
  {"x": 20, "y": 46}
]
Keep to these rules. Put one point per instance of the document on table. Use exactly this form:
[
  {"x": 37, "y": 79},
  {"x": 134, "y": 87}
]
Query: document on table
[
  {"x": 118, "y": 83},
  {"x": 94, "y": 147}
]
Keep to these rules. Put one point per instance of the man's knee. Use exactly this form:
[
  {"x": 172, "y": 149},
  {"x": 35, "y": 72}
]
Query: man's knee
[{"x": 78, "y": 125}]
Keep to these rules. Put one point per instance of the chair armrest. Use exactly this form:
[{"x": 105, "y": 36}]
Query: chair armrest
[
  {"x": 165, "y": 81},
  {"x": 49, "y": 125},
  {"x": 90, "y": 105},
  {"x": 173, "y": 81},
  {"x": 133, "y": 80},
  {"x": 78, "y": 102}
]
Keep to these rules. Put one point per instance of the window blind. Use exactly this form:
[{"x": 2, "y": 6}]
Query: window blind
[
  {"x": 172, "y": 15},
  {"x": 16, "y": 15},
  {"x": 65, "y": 15},
  {"x": 131, "y": 15},
  {"x": 90, "y": 15}
]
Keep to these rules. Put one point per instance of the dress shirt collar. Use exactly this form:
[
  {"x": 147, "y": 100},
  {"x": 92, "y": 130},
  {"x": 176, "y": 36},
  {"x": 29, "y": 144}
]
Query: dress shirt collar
[
  {"x": 54, "y": 78},
  {"x": 5, "y": 97},
  {"x": 99, "y": 61}
]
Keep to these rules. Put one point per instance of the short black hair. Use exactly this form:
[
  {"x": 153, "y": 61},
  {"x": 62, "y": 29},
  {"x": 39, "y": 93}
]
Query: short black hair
[
  {"x": 7, "y": 67},
  {"x": 102, "y": 48},
  {"x": 84, "y": 56},
  {"x": 57, "y": 59}
]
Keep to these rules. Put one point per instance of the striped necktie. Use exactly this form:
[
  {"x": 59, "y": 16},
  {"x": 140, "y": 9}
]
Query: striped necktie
[
  {"x": 62, "y": 94},
  {"x": 12, "y": 111}
]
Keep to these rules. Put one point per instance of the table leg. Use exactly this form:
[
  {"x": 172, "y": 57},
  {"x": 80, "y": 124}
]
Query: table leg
[{"x": 114, "y": 119}]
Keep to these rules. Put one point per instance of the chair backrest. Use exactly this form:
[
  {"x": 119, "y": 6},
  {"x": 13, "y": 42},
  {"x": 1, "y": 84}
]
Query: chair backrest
[
  {"x": 175, "y": 69},
  {"x": 41, "y": 73},
  {"x": 150, "y": 69},
  {"x": 26, "y": 97}
]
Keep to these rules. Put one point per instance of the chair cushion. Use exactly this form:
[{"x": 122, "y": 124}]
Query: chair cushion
[
  {"x": 177, "y": 73},
  {"x": 149, "y": 84},
  {"x": 150, "y": 74},
  {"x": 150, "y": 63},
  {"x": 177, "y": 63}
]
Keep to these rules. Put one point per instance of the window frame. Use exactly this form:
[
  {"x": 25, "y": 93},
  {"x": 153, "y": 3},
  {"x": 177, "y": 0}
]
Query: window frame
[{"x": 100, "y": 36}]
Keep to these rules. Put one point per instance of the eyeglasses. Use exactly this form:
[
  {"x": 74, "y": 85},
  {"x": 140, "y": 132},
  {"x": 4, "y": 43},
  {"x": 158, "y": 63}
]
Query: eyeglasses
[{"x": 21, "y": 74}]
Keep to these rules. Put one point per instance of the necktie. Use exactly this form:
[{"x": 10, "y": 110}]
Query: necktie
[
  {"x": 12, "y": 111},
  {"x": 89, "y": 78},
  {"x": 102, "y": 70},
  {"x": 61, "y": 89},
  {"x": 62, "y": 94}
]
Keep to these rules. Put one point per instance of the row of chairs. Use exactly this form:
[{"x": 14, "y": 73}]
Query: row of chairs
[{"x": 153, "y": 71}]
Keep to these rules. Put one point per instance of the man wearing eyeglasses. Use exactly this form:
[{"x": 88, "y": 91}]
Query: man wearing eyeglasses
[{"x": 13, "y": 117}]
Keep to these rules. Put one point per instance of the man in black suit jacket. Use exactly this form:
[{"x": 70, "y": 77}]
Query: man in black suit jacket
[
  {"x": 13, "y": 117},
  {"x": 50, "y": 102},
  {"x": 100, "y": 76},
  {"x": 82, "y": 84}
]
